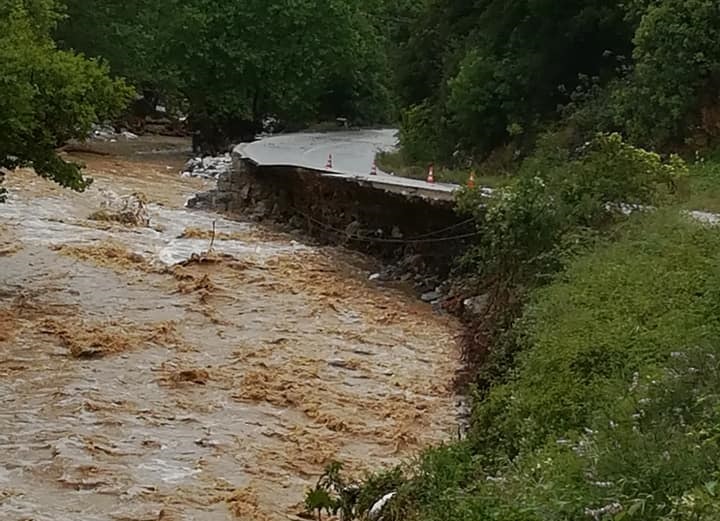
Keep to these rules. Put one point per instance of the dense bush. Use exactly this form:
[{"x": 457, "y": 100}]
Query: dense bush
[
  {"x": 231, "y": 65},
  {"x": 675, "y": 84},
  {"x": 495, "y": 71},
  {"x": 557, "y": 196},
  {"x": 498, "y": 73},
  {"x": 612, "y": 412}
]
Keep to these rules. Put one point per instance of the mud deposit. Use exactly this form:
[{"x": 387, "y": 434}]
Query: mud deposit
[{"x": 142, "y": 379}]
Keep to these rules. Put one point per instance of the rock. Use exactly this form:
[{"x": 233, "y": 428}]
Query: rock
[
  {"x": 431, "y": 296},
  {"x": 375, "y": 276},
  {"x": 295, "y": 222},
  {"x": 340, "y": 364},
  {"x": 224, "y": 185},
  {"x": 212, "y": 200},
  {"x": 208, "y": 167},
  {"x": 352, "y": 229},
  {"x": 260, "y": 211},
  {"x": 377, "y": 509},
  {"x": 245, "y": 192},
  {"x": 102, "y": 133},
  {"x": 192, "y": 164},
  {"x": 128, "y": 135},
  {"x": 477, "y": 305},
  {"x": 413, "y": 262},
  {"x": 396, "y": 233}
]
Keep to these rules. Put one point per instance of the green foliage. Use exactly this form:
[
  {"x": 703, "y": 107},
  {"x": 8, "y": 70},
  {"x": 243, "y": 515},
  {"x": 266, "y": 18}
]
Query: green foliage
[
  {"x": 131, "y": 36},
  {"x": 626, "y": 306},
  {"x": 496, "y": 73},
  {"x": 396, "y": 163},
  {"x": 332, "y": 494},
  {"x": 235, "y": 63},
  {"x": 493, "y": 72},
  {"x": 420, "y": 133},
  {"x": 558, "y": 204},
  {"x": 612, "y": 411},
  {"x": 48, "y": 96},
  {"x": 704, "y": 183},
  {"x": 335, "y": 495},
  {"x": 527, "y": 225},
  {"x": 676, "y": 66}
]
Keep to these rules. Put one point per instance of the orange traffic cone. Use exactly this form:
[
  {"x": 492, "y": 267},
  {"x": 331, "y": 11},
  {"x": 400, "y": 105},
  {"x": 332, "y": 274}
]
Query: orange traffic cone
[
  {"x": 471, "y": 180},
  {"x": 373, "y": 170},
  {"x": 329, "y": 164},
  {"x": 431, "y": 175}
]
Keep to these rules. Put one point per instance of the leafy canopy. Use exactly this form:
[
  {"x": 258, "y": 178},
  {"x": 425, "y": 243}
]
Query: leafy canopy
[
  {"x": 47, "y": 96},
  {"x": 234, "y": 63}
]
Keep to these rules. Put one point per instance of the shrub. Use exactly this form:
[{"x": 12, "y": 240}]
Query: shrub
[
  {"x": 676, "y": 66},
  {"x": 621, "y": 308},
  {"x": 527, "y": 224},
  {"x": 612, "y": 412},
  {"x": 420, "y": 133}
]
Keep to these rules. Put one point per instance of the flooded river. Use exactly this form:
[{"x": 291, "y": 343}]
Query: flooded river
[{"x": 142, "y": 381}]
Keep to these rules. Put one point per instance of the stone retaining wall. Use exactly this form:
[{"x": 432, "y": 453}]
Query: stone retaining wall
[{"x": 394, "y": 226}]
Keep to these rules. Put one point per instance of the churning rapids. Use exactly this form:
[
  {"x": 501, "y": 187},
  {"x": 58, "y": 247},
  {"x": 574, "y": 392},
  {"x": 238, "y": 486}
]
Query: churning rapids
[{"x": 142, "y": 381}]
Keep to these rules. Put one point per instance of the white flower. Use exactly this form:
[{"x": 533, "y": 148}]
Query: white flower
[
  {"x": 598, "y": 513},
  {"x": 635, "y": 381}
]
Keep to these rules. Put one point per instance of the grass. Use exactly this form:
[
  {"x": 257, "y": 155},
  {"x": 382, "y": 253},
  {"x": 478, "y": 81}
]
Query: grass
[
  {"x": 613, "y": 407},
  {"x": 393, "y": 162},
  {"x": 704, "y": 184}
]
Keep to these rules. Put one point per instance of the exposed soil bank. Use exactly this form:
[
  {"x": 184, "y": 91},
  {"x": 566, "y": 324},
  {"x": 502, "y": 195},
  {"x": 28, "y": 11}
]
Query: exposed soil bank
[{"x": 395, "y": 225}]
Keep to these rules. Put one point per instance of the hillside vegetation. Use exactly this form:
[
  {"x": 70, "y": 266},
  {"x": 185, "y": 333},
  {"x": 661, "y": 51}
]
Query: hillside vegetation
[{"x": 592, "y": 361}]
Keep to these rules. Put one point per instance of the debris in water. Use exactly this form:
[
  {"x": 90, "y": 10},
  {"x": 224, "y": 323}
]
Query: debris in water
[
  {"x": 194, "y": 376},
  {"x": 9, "y": 249},
  {"x": 8, "y": 243},
  {"x": 105, "y": 254},
  {"x": 214, "y": 258},
  {"x": 207, "y": 167},
  {"x": 195, "y": 284},
  {"x": 98, "y": 340},
  {"x": 251, "y": 235},
  {"x": 8, "y": 324},
  {"x": 130, "y": 210},
  {"x": 244, "y": 505}
]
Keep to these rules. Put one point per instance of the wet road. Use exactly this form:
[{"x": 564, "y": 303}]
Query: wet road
[
  {"x": 141, "y": 381},
  {"x": 353, "y": 153}
]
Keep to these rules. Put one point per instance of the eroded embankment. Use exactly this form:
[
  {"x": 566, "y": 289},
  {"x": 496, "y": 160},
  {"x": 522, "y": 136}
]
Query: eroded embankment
[
  {"x": 421, "y": 235},
  {"x": 141, "y": 380}
]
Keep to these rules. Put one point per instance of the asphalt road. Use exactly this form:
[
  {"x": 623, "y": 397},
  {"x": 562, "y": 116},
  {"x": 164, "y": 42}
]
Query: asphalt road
[{"x": 352, "y": 153}]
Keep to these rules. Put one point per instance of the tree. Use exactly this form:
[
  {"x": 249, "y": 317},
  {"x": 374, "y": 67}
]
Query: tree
[
  {"x": 131, "y": 37},
  {"x": 488, "y": 71},
  {"x": 47, "y": 97},
  {"x": 241, "y": 61},
  {"x": 674, "y": 87},
  {"x": 234, "y": 63}
]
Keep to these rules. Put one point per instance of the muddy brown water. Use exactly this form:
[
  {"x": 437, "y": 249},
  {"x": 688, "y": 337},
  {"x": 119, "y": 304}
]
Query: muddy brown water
[{"x": 136, "y": 385}]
